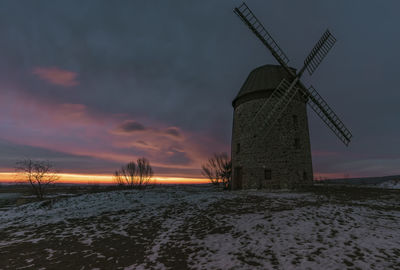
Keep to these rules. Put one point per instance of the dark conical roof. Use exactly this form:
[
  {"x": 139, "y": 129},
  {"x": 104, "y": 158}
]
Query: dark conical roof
[{"x": 261, "y": 79}]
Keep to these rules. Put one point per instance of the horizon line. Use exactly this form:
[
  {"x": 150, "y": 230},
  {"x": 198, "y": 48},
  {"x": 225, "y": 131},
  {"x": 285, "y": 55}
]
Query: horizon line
[{"x": 90, "y": 179}]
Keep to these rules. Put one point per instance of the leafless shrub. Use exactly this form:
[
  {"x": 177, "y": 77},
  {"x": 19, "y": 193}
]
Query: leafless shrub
[
  {"x": 39, "y": 174},
  {"x": 219, "y": 170},
  {"x": 134, "y": 175}
]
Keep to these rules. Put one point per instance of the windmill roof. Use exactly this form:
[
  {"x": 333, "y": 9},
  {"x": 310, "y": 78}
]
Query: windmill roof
[{"x": 261, "y": 79}]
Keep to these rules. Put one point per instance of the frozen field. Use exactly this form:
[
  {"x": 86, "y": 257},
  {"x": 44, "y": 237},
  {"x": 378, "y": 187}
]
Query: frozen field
[{"x": 197, "y": 227}]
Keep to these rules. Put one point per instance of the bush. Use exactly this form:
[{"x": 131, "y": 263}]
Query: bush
[
  {"x": 134, "y": 175},
  {"x": 219, "y": 170}
]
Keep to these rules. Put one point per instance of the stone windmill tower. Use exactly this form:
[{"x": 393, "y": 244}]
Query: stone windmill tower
[{"x": 270, "y": 138}]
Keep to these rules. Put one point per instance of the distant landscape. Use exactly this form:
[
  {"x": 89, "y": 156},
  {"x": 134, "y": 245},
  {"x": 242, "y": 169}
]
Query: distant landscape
[{"x": 369, "y": 181}]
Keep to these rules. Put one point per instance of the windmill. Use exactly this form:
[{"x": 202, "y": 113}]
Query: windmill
[{"x": 270, "y": 138}]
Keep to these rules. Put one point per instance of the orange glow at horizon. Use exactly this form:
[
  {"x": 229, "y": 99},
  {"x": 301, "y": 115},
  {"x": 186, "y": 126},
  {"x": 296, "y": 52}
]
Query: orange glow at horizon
[{"x": 71, "y": 178}]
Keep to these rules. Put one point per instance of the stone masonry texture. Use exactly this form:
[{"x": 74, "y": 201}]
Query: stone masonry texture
[{"x": 280, "y": 158}]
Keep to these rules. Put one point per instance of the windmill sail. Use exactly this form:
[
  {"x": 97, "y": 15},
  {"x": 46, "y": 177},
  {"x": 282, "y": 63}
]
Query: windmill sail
[
  {"x": 274, "y": 106},
  {"x": 319, "y": 51},
  {"x": 259, "y": 30},
  {"x": 322, "y": 109}
]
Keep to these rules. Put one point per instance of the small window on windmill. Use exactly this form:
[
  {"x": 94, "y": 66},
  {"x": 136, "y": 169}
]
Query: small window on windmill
[
  {"x": 237, "y": 148},
  {"x": 304, "y": 176},
  {"x": 295, "y": 121},
  {"x": 297, "y": 143},
  {"x": 267, "y": 174}
]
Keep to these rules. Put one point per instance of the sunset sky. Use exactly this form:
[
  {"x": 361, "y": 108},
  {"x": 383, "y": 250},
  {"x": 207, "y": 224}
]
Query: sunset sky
[{"x": 92, "y": 85}]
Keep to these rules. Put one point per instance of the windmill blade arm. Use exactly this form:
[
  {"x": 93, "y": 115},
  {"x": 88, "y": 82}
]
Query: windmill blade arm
[
  {"x": 322, "y": 109},
  {"x": 266, "y": 110},
  {"x": 248, "y": 17},
  {"x": 273, "y": 107},
  {"x": 319, "y": 52}
]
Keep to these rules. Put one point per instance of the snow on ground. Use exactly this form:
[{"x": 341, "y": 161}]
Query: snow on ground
[
  {"x": 391, "y": 184},
  {"x": 7, "y": 196},
  {"x": 49, "y": 196},
  {"x": 197, "y": 227}
]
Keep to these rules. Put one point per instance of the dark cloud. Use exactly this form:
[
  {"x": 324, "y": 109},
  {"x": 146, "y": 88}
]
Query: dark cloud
[
  {"x": 131, "y": 126},
  {"x": 180, "y": 63},
  {"x": 173, "y": 131},
  {"x": 142, "y": 142}
]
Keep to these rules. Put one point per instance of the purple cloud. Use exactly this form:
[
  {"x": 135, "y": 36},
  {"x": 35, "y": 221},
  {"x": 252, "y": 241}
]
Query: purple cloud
[{"x": 56, "y": 76}]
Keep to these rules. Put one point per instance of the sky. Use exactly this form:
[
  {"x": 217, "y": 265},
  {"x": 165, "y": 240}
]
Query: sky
[{"x": 91, "y": 85}]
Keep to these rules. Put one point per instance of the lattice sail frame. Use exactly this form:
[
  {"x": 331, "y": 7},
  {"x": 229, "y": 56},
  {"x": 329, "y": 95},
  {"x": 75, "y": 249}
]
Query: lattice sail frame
[
  {"x": 259, "y": 30},
  {"x": 278, "y": 102},
  {"x": 319, "y": 52}
]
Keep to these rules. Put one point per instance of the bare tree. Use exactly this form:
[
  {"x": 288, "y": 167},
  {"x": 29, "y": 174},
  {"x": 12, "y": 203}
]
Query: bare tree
[
  {"x": 219, "y": 170},
  {"x": 126, "y": 176},
  {"x": 39, "y": 174},
  {"x": 144, "y": 172},
  {"x": 134, "y": 175}
]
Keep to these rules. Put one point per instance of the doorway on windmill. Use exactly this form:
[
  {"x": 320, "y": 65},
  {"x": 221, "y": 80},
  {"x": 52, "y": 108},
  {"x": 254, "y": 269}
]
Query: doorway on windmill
[
  {"x": 237, "y": 177},
  {"x": 267, "y": 174},
  {"x": 266, "y": 181}
]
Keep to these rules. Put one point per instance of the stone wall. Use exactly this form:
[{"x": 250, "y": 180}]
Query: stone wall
[{"x": 279, "y": 159}]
